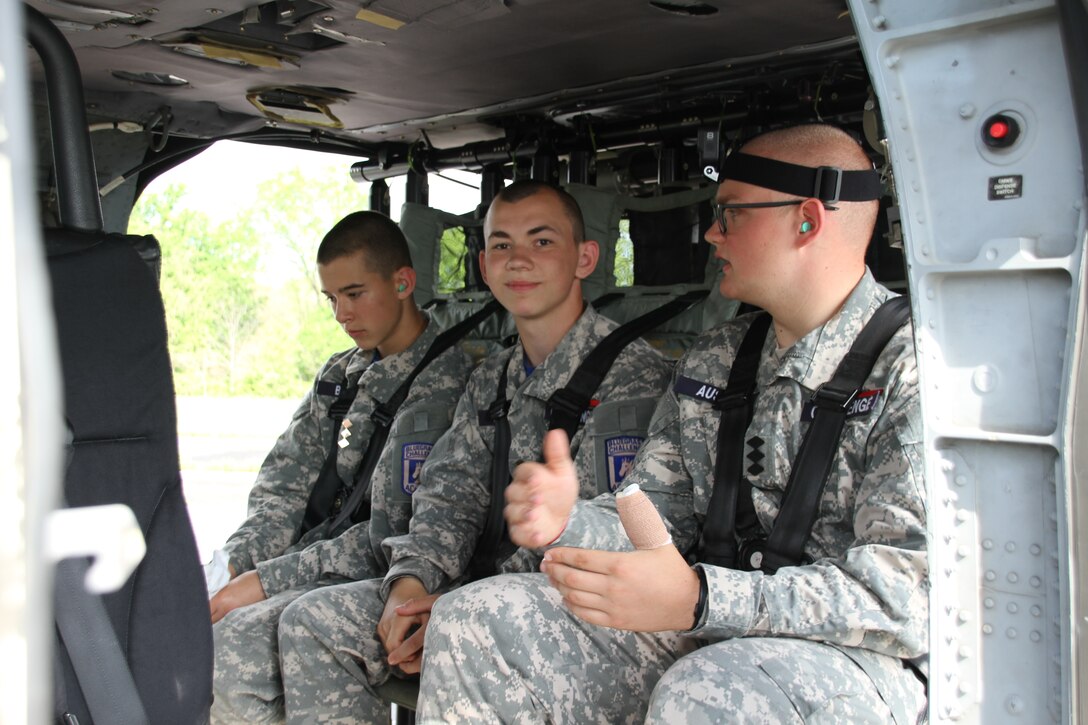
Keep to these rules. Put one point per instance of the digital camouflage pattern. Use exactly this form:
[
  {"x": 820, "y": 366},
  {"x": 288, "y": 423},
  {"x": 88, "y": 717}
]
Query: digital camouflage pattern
[
  {"x": 247, "y": 670},
  {"x": 328, "y": 632},
  {"x": 866, "y": 594},
  {"x": 278, "y": 499},
  {"x": 450, "y": 509}
]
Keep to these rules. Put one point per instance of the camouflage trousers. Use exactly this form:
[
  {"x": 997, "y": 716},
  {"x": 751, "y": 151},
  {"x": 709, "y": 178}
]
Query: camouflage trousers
[
  {"x": 331, "y": 657},
  {"x": 506, "y": 650},
  {"x": 247, "y": 682}
]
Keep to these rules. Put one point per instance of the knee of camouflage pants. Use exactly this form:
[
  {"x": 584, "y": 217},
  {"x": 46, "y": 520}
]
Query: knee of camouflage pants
[
  {"x": 330, "y": 655},
  {"x": 246, "y": 686},
  {"x": 773, "y": 681},
  {"x": 507, "y": 649}
]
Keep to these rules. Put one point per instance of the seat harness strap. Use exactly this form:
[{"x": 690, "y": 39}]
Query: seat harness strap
[
  {"x": 326, "y": 504},
  {"x": 565, "y": 409},
  {"x": 731, "y": 513},
  {"x": 567, "y": 405}
]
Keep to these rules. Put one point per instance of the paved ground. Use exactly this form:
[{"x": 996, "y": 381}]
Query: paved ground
[{"x": 222, "y": 443}]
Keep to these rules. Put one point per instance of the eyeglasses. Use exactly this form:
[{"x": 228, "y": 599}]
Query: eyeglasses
[{"x": 720, "y": 209}]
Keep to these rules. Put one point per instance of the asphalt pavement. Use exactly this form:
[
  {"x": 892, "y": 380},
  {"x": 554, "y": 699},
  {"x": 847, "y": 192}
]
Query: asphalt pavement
[{"x": 222, "y": 442}]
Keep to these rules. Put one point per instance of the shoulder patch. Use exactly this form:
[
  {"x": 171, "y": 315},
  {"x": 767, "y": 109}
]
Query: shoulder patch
[
  {"x": 412, "y": 457},
  {"x": 621, "y": 452},
  {"x": 696, "y": 389}
]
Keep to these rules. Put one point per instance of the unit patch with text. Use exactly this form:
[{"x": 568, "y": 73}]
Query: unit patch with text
[
  {"x": 621, "y": 452},
  {"x": 412, "y": 457}
]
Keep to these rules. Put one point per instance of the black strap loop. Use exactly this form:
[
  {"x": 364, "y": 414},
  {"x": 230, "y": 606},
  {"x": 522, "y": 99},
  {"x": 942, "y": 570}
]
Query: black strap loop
[{"x": 328, "y": 484}]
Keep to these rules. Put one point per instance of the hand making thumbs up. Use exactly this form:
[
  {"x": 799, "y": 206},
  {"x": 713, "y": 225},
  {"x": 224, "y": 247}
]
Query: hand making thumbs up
[{"x": 540, "y": 498}]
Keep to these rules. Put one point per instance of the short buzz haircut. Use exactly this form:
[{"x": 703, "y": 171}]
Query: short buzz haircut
[
  {"x": 525, "y": 188},
  {"x": 375, "y": 235},
  {"x": 822, "y": 144}
]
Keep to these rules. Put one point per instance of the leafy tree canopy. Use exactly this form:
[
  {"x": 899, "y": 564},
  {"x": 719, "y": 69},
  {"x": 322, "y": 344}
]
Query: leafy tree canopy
[{"x": 244, "y": 312}]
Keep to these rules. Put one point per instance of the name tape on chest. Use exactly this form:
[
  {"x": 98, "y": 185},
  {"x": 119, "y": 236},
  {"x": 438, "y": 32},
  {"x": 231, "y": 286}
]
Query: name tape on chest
[
  {"x": 864, "y": 403},
  {"x": 696, "y": 389},
  {"x": 329, "y": 387}
]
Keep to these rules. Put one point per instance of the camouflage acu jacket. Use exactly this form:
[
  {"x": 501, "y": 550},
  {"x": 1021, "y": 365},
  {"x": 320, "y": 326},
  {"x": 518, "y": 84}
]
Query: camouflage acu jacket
[
  {"x": 868, "y": 585},
  {"x": 451, "y": 503},
  {"x": 269, "y": 538}
]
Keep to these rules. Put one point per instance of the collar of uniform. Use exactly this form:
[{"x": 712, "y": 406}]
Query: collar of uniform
[
  {"x": 381, "y": 378},
  {"x": 813, "y": 359},
  {"x": 555, "y": 371}
]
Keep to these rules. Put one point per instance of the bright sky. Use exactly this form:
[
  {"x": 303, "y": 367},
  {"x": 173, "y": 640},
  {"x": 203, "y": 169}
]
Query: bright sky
[{"x": 226, "y": 176}]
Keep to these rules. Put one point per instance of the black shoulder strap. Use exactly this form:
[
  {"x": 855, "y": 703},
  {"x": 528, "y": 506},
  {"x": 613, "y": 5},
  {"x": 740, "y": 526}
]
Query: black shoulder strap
[
  {"x": 736, "y": 403},
  {"x": 328, "y": 482},
  {"x": 483, "y": 563},
  {"x": 801, "y": 502},
  {"x": 566, "y": 405},
  {"x": 564, "y": 410},
  {"x": 730, "y": 510},
  {"x": 357, "y": 506}
]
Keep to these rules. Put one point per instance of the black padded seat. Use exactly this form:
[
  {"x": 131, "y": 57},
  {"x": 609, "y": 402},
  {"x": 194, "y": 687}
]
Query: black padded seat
[{"x": 119, "y": 404}]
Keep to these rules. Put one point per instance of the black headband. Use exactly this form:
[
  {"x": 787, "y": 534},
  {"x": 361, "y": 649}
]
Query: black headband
[{"x": 829, "y": 184}]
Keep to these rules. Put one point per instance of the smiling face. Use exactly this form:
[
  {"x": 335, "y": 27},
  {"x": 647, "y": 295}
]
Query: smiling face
[
  {"x": 368, "y": 305},
  {"x": 531, "y": 261}
]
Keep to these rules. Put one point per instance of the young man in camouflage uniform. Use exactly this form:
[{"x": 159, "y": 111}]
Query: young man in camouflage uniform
[
  {"x": 367, "y": 275},
  {"x": 622, "y": 636},
  {"x": 338, "y": 643}
]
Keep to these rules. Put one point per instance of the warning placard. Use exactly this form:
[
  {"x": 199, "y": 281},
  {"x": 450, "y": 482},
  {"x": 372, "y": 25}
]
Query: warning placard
[{"x": 1006, "y": 187}]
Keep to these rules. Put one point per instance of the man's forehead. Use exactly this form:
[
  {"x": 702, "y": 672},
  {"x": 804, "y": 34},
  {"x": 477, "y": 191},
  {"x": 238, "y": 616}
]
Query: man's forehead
[
  {"x": 539, "y": 212},
  {"x": 355, "y": 263},
  {"x": 731, "y": 190}
]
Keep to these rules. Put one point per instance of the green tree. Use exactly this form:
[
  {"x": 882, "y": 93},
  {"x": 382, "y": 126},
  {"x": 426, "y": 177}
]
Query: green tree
[
  {"x": 208, "y": 287},
  {"x": 624, "y": 267},
  {"x": 451, "y": 261},
  {"x": 293, "y": 212},
  {"x": 291, "y": 215},
  {"x": 244, "y": 309}
]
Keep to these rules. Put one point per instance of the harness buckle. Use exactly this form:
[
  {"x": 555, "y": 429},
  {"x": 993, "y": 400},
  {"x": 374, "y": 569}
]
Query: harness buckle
[
  {"x": 497, "y": 410},
  {"x": 566, "y": 402},
  {"x": 826, "y": 396},
  {"x": 382, "y": 416},
  {"x": 750, "y": 553},
  {"x": 733, "y": 400}
]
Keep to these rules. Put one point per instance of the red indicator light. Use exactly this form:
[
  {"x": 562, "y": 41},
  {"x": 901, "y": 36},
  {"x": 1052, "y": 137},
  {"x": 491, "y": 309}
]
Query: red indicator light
[{"x": 1000, "y": 131}]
